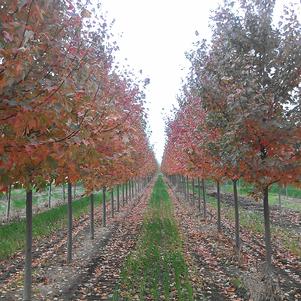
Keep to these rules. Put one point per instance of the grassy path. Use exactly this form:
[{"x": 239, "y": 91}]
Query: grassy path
[{"x": 156, "y": 270}]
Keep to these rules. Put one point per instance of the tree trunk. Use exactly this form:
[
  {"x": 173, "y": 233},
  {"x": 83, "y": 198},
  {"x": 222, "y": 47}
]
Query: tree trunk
[
  {"x": 267, "y": 230},
  {"x": 218, "y": 206},
  {"x": 8, "y": 203},
  {"x": 237, "y": 238},
  {"x": 92, "y": 216},
  {"x": 126, "y": 192},
  {"x": 118, "y": 199},
  {"x": 204, "y": 199},
  {"x": 64, "y": 193},
  {"x": 112, "y": 202},
  {"x": 193, "y": 190},
  {"x": 199, "y": 194},
  {"x": 187, "y": 184},
  {"x": 279, "y": 198},
  {"x": 28, "y": 248},
  {"x": 123, "y": 194},
  {"x": 104, "y": 209},
  {"x": 69, "y": 231},
  {"x": 49, "y": 195}
]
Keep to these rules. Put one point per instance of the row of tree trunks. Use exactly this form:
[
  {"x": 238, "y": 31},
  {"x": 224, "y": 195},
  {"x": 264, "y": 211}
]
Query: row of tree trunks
[
  {"x": 181, "y": 184},
  {"x": 129, "y": 191}
]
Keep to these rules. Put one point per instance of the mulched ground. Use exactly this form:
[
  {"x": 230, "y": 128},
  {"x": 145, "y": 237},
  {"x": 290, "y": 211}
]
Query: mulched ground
[
  {"x": 96, "y": 264},
  {"x": 224, "y": 276}
]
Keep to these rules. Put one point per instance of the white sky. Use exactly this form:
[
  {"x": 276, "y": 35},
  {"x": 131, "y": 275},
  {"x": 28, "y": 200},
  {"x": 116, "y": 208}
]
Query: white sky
[{"x": 155, "y": 36}]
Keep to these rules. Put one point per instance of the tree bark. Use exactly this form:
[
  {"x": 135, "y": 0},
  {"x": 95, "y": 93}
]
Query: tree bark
[
  {"x": 187, "y": 184},
  {"x": 193, "y": 191},
  {"x": 204, "y": 199},
  {"x": 28, "y": 248},
  {"x": 118, "y": 199},
  {"x": 92, "y": 216},
  {"x": 49, "y": 195},
  {"x": 199, "y": 194},
  {"x": 218, "y": 206},
  {"x": 69, "y": 217},
  {"x": 64, "y": 193},
  {"x": 8, "y": 203},
  {"x": 112, "y": 202},
  {"x": 123, "y": 194},
  {"x": 237, "y": 238},
  {"x": 279, "y": 198},
  {"x": 267, "y": 230},
  {"x": 104, "y": 209}
]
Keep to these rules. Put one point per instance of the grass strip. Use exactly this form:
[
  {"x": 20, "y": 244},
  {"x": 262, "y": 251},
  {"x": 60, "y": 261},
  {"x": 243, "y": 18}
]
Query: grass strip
[
  {"x": 12, "y": 236},
  {"x": 156, "y": 270},
  {"x": 254, "y": 222}
]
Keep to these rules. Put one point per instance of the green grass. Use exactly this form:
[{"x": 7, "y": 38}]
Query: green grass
[
  {"x": 18, "y": 196},
  {"x": 12, "y": 236},
  {"x": 157, "y": 267},
  {"x": 254, "y": 222},
  {"x": 245, "y": 189}
]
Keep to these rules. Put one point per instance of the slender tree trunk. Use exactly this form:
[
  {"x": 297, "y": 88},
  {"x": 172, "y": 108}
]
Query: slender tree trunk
[
  {"x": 104, "y": 209},
  {"x": 123, "y": 194},
  {"x": 193, "y": 190},
  {"x": 237, "y": 238},
  {"x": 279, "y": 198},
  {"x": 218, "y": 206},
  {"x": 64, "y": 193},
  {"x": 8, "y": 203},
  {"x": 199, "y": 194},
  {"x": 126, "y": 192},
  {"x": 204, "y": 199},
  {"x": 267, "y": 230},
  {"x": 187, "y": 183},
  {"x": 69, "y": 231},
  {"x": 92, "y": 216},
  {"x": 49, "y": 195},
  {"x": 118, "y": 199},
  {"x": 28, "y": 248},
  {"x": 112, "y": 202}
]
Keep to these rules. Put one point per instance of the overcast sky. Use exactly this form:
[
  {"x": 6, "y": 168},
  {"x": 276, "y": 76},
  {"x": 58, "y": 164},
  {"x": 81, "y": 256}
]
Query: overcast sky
[{"x": 155, "y": 36}]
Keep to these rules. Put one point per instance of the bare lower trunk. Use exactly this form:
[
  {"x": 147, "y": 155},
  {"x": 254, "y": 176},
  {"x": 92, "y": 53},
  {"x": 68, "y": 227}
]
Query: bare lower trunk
[
  {"x": 92, "y": 216},
  {"x": 204, "y": 199},
  {"x": 118, "y": 199},
  {"x": 112, "y": 202},
  {"x": 8, "y": 203},
  {"x": 199, "y": 194},
  {"x": 49, "y": 195},
  {"x": 187, "y": 185},
  {"x": 123, "y": 194},
  {"x": 193, "y": 190},
  {"x": 69, "y": 217},
  {"x": 267, "y": 230},
  {"x": 104, "y": 209},
  {"x": 218, "y": 206},
  {"x": 28, "y": 248},
  {"x": 237, "y": 238}
]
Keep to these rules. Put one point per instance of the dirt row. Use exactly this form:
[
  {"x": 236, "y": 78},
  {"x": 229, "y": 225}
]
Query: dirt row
[
  {"x": 224, "y": 276},
  {"x": 53, "y": 279}
]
